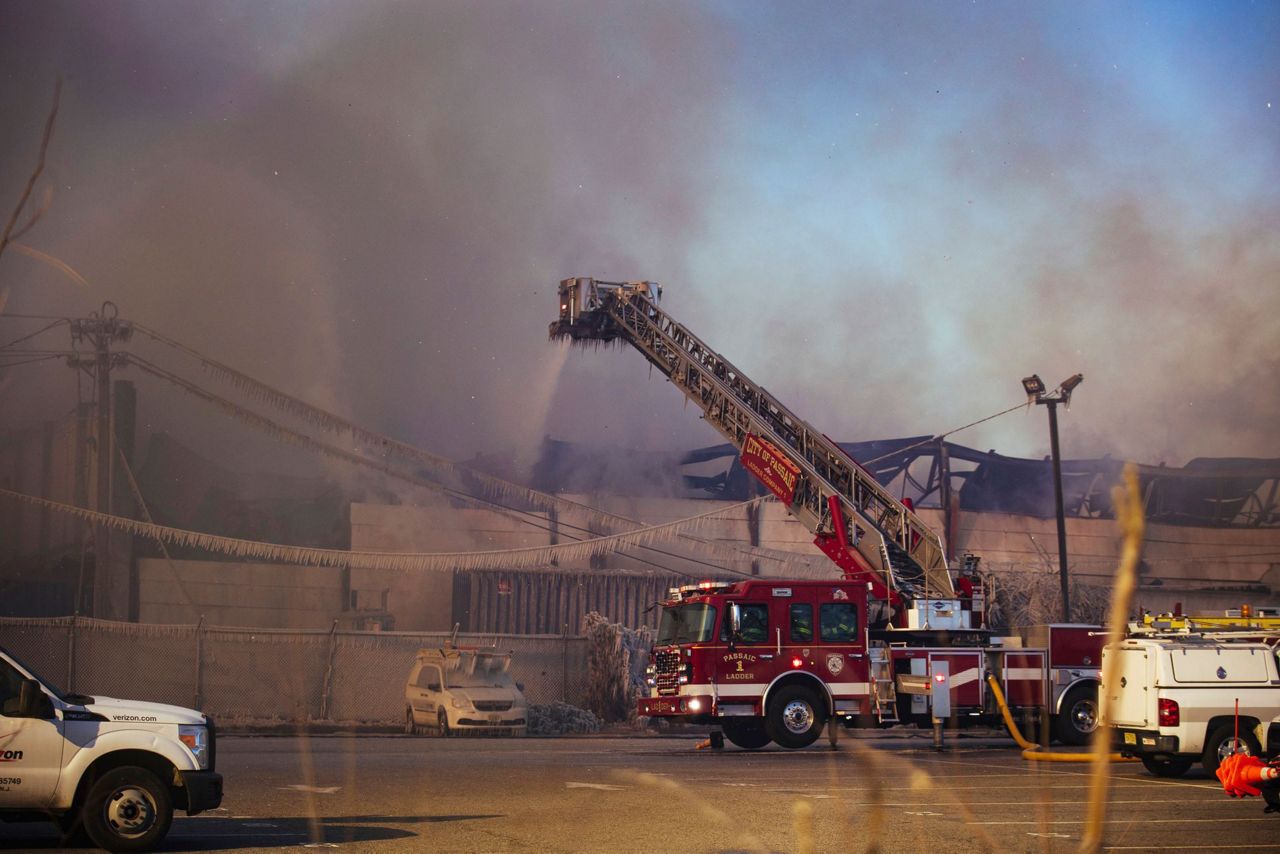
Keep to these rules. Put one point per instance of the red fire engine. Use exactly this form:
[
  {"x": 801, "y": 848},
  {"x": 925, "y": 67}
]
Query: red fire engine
[{"x": 774, "y": 659}]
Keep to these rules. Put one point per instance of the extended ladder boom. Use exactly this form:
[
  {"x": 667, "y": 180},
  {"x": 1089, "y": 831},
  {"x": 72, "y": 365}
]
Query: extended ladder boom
[{"x": 857, "y": 522}]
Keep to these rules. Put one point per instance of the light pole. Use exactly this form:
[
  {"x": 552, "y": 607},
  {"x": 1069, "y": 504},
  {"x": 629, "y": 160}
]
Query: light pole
[{"x": 1034, "y": 387}]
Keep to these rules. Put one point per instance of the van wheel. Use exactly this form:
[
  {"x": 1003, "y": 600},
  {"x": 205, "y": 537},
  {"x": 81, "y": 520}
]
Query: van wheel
[
  {"x": 410, "y": 727},
  {"x": 795, "y": 718},
  {"x": 1222, "y": 742},
  {"x": 747, "y": 733},
  {"x": 1171, "y": 767},
  {"x": 1079, "y": 716},
  {"x": 442, "y": 721},
  {"x": 127, "y": 809}
]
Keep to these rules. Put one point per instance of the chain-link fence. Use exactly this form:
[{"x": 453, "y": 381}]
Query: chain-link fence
[{"x": 271, "y": 676}]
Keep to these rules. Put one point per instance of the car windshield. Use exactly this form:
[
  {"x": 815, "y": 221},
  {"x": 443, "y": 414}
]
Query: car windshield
[
  {"x": 686, "y": 624},
  {"x": 57, "y": 691},
  {"x": 483, "y": 676}
]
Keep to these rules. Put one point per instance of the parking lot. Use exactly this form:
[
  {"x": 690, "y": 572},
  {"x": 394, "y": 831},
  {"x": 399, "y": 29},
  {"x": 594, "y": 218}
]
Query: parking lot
[{"x": 397, "y": 793}]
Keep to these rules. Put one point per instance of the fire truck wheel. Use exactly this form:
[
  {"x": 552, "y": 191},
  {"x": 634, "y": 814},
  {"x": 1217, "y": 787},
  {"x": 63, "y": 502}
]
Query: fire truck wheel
[
  {"x": 747, "y": 733},
  {"x": 1222, "y": 742},
  {"x": 795, "y": 717},
  {"x": 1173, "y": 767},
  {"x": 1079, "y": 716}
]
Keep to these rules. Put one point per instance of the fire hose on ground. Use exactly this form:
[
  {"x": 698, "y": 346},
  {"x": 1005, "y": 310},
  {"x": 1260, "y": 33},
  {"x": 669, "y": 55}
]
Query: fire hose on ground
[{"x": 1032, "y": 751}]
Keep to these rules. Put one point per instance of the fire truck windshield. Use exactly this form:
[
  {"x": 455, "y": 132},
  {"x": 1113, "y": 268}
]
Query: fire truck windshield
[{"x": 686, "y": 624}]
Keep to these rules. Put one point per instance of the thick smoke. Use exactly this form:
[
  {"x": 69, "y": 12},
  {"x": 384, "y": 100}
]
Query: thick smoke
[
  {"x": 369, "y": 205},
  {"x": 886, "y": 215}
]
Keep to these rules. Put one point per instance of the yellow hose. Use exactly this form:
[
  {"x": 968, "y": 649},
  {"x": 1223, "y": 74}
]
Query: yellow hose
[{"x": 1032, "y": 751}]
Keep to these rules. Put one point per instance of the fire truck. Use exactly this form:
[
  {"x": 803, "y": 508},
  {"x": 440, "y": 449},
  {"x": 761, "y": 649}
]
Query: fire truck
[{"x": 897, "y": 637}]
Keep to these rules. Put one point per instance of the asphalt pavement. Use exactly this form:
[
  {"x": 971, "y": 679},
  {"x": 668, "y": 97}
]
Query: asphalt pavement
[{"x": 603, "y": 794}]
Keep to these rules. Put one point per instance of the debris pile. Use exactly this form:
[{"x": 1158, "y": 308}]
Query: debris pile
[
  {"x": 616, "y": 658},
  {"x": 560, "y": 719}
]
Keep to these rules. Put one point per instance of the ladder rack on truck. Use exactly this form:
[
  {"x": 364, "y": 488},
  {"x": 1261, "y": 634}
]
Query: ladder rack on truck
[{"x": 869, "y": 534}]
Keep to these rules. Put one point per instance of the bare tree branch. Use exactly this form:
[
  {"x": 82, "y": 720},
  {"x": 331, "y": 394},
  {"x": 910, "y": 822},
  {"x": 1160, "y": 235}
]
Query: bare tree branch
[
  {"x": 35, "y": 175},
  {"x": 46, "y": 201}
]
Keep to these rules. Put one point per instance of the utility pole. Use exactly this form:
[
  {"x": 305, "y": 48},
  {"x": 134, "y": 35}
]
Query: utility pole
[
  {"x": 1035, "y": 389},
  {"x": 1058, "y": 508},
  {"x": 101, "y": 329}
]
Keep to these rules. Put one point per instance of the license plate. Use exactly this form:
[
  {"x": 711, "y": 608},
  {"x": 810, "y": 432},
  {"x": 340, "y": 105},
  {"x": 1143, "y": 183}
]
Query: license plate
[
  {"x": 1130, "y": 738},
  {"x": 493, "y": 719}
]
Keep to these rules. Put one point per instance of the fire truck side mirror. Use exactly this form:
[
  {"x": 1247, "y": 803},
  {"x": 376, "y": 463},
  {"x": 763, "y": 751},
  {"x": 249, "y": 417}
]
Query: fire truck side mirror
[{"x": 735, "y": 622}]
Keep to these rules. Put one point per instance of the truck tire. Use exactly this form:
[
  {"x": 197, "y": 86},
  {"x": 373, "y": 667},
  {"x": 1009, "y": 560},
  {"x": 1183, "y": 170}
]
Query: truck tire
[
  {"x": 747, "y": 733},
  {"x": 127, "y": 809},
  {"x": 1079, "y": 716},
  {"x": 795, "y": 717},
  {"x": 1174, "y": 766},
  {"x": 1221, "y": 743}
]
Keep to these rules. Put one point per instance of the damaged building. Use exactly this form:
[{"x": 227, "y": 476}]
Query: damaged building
[{"x": 1213, "y": 536}]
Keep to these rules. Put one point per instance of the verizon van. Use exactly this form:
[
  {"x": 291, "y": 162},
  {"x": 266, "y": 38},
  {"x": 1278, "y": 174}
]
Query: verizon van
[
  {"x": 112, "y": 769},
  {"x": 1173, "y": 701}
]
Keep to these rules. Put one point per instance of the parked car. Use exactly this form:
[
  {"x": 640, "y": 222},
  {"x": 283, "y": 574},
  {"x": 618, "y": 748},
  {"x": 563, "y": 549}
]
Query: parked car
[
  {"x": 1173, "y": 700},
  {"x": 463, "y": 691},
  {"x": 112, "y": 769}
]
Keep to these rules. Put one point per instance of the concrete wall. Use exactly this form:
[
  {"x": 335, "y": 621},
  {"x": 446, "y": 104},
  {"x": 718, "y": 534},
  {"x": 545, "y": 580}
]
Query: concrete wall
[
  {"x": 39, "y": 461},
  {"x": 1204, "y": 568},
  {"x": 423, "y": 601},
  {"x": 259, "y": 595}
]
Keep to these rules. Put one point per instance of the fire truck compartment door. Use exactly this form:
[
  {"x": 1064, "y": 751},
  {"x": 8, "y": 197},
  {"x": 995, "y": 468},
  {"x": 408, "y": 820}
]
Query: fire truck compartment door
[{"x": 1023, "y": 674}]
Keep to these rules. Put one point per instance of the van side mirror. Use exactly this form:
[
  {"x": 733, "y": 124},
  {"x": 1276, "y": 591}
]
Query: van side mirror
[{"x": 32, "y": 701}]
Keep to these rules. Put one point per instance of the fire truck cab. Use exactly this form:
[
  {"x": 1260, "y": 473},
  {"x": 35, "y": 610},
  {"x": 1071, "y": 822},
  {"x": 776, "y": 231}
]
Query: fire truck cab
[{"x": 768, "y": 660}]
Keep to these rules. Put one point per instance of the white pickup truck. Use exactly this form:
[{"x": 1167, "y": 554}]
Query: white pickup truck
[
  {"x": 113, "y": 770},
  {"x": 1173, "y": 700}
]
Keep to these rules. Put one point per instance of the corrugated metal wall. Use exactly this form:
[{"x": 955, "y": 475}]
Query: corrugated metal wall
[{"x": 545, "y": 603}]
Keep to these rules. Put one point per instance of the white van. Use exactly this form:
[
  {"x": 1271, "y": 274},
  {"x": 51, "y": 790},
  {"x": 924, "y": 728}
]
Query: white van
[
  {"x": 1173, "y": 701},
  {"x": 454, "y": 691},
  {"x": 114, "y": 769}
]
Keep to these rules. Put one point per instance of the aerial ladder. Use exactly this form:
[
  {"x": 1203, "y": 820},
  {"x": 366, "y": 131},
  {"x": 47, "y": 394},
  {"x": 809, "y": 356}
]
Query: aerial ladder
[{"x": 869, "y": 534}]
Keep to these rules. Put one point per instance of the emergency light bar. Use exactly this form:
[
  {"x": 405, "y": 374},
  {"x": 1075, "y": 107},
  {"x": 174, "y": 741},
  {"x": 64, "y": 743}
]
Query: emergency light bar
[{"x": 702, "y": 588}]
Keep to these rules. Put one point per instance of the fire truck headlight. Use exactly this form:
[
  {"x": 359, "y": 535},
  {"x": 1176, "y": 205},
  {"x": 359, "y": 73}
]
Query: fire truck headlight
[
  {"x": 695, "y": 705},
  {"x": 651, "y": 670},
  {"x": 650, "y": 681},
  {"x": 684, "y": 680}
]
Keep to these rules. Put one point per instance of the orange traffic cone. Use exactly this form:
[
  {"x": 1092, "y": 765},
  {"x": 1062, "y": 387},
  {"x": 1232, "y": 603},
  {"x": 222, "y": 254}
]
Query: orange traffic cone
[{"x": 1240, "y": 774}]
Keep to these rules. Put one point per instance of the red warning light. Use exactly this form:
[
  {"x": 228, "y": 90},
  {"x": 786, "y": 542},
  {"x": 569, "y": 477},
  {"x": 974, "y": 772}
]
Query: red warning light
[
  {"x": 797, "y": 662},
  {"x": 939, "y": 677}
]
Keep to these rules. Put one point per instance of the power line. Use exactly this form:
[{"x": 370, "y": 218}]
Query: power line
[
  {"x": 30, "y": 361},
  {"x": 931, "y": 440},
  {"x": 327, "y": 420},
  {"x": 31, "y": 335},
  {"x": 281, "y": 432}
]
